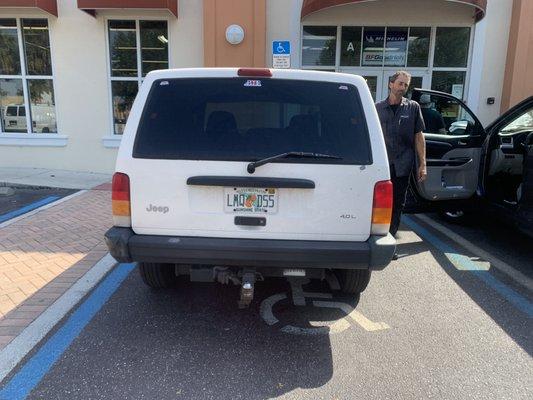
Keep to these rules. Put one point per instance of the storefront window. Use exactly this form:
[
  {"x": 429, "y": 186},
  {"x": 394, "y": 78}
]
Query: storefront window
[
  {"x": 351, "y": 46},
  {"x": 37, "y": 47},
  {"x": 451, "y": 47},
  {"x": 123, "y": 48},
  {"x": 373, "y": 44},
  {"x": 449, "y": 82},
  {"x": 372, "y": 82},
  {"x": 42, "y": 105},
  {"x": 123, "y": 94},
  {"x": 9, "y": 48},
  {"x": 396, "y": 47},
  {"x": 31, "y": 75},
  {"x": 125, "y": 54},
  {"x": 319, "y": 45},
  {"x": 419, "y": 39},
  {"x": 154, "y": 45}
]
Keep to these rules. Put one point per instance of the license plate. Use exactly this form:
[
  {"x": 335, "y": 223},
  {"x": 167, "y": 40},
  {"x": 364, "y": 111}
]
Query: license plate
[
  {"x": 12, "y": 123},
  {"x": 250, "y": 200}
]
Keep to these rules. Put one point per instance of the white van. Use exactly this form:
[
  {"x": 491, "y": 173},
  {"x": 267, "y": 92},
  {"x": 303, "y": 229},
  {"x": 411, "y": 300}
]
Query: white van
[
  {"x": 233, "y": 175},
  {"x": 43, "y": 117}
]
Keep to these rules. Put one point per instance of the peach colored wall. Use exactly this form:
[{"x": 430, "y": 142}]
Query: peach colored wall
[
  {"x": 251, "y": 16},
  {"x": 518, "y": 82}
]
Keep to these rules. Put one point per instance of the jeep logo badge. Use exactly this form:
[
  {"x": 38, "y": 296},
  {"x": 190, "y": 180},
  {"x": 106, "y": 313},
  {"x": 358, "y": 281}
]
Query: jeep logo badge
[{"x": 157, "y": 209}]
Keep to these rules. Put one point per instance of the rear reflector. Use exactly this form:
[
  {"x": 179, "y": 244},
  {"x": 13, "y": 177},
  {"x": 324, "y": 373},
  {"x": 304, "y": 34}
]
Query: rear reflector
[
  {"x": 382, "y": 208},
  {"x": 255, "y": 72},
  {"x": 120, "y": 200}
]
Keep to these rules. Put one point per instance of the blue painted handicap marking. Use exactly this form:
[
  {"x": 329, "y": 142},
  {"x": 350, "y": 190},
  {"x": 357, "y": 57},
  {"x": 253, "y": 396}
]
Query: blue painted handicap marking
[
  {"x": 281, "y": 47},
  {"x": 33, "y": 370}
]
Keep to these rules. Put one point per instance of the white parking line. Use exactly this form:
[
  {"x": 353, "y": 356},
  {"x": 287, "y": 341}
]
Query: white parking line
[
  {"x": 495, "y": 262},
  {"x": 365, "y": 323}
]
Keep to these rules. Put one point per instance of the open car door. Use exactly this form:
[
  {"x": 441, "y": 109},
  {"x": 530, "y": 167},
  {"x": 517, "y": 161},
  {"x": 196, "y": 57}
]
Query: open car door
[{"x": 454, "y": 139}]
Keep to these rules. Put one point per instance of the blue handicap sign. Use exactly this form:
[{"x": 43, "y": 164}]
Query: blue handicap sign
[{"x": 281, "y": 47}]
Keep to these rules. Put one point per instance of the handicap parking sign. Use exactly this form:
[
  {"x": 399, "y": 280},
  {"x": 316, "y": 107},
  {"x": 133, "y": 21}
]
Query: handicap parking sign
[
  {"x": 281, "y": 54},
  {"x": 281, "y": 47}
]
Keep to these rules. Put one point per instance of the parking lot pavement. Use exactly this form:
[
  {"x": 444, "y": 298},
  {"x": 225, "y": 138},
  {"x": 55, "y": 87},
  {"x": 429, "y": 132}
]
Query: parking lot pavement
[
  {"x": 44, "y": 253},
  {"x": 435, "y": 324},
  {"x": 494, "y": 236}
]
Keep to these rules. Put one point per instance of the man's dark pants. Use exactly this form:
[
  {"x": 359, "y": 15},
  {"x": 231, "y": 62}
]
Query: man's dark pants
[{"x": 399, "y": 190}]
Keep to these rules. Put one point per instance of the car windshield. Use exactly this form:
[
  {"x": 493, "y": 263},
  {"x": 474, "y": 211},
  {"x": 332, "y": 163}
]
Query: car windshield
[
  {"x": 241, "y": 119},
  {"x": 524, "y": 122}
]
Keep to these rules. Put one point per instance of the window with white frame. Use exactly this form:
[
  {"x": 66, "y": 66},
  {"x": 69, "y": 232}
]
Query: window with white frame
[
  {"x": 26, "y": 77},
  {"x": 136, "y": 47}
]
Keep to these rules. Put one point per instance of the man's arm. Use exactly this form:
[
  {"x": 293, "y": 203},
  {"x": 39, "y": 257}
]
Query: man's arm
[{"x": 420, "y": 145}]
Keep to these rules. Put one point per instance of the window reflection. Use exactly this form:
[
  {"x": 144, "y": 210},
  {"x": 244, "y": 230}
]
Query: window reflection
[
  {"x": 37, "y": 46},
  {"x": 373, "y": 43},
  {"x": 418, "y": 47},
  {"x": 12, "y": 111},
  {"x": 451, "y": 47},
  {"x": 351, "y": 46},
  {"x": 154, "y": 45},
  {"x": 123, "y": 94},
  {"x": 42, "y": 106},
  {"x": 396, "y": 47},
  {"x": 9, "y": 48},
  {"x": 123, "y": 48},
  {"x": 319, "y": 45}
]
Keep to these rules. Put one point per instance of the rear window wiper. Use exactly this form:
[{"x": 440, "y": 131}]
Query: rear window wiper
[{"x": 297, "y": 154}]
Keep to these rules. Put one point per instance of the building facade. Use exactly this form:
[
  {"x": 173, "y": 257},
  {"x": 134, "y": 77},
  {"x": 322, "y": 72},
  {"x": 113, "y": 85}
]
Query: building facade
[{"x": 70, "y": 69}]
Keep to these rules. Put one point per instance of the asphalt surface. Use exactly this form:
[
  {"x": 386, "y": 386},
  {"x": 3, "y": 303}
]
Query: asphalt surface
[
  {"x": 13, "y": 197},
  {"x": 496, "y": 237},
  {"x": 445, "y": 334}
]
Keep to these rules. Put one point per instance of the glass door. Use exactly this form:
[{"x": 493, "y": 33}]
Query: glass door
[
  {"x": 373, "y": 79},
  {"x": 419, "y": 79}
]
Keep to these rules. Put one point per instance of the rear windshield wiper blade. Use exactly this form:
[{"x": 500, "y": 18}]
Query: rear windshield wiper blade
[{"x": 297, "y": 154}]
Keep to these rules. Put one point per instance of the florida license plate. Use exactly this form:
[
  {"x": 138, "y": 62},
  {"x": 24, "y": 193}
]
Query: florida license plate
[{"x": 250, "y": 200}]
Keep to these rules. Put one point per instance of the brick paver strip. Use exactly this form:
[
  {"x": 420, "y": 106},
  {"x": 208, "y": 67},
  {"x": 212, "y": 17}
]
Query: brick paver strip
[{"x": 42, "y": 255}]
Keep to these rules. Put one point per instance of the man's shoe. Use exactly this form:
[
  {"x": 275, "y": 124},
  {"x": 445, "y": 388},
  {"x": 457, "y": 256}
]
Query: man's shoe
[{"x": 395, "y": 256}]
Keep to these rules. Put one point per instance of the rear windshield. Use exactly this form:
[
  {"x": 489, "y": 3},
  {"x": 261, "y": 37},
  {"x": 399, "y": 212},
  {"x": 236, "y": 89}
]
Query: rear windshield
[{"x": 240, "y": 119}]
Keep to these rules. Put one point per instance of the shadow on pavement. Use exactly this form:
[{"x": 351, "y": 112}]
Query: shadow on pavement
[
  {"x": 192, "y": 342},
  {"x": 513, "y": 321}
]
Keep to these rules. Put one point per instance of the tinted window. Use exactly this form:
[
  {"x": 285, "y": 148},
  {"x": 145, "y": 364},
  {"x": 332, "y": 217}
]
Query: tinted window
[
  {"x": 11, "y": 111},
  {"x": 242, "y": 120}
]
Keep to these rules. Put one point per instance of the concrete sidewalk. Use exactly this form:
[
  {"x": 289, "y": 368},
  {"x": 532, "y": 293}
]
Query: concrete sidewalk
[{"x": 42, "y": 255}]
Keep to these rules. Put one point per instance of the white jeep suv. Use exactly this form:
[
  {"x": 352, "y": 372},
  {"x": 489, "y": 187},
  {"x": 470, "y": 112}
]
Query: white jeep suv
[{"x": 232, "y": 175}]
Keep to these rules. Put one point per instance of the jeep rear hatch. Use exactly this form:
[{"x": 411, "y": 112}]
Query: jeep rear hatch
[{"x": 197, "y": 136}]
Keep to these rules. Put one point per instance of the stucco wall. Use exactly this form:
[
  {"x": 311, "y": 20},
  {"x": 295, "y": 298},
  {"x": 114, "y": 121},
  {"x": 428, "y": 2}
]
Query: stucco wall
[
  {"x": 491, "y": 38},
  {"x": 518, "y": 83},
  {"x": 80, "y": 64}
]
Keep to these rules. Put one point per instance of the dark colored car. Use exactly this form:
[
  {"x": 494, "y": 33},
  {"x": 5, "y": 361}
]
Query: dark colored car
[{"x": 470, "y": 166}]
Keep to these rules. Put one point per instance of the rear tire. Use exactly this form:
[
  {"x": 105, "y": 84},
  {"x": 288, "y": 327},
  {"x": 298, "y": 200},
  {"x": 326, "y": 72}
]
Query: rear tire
[
  {"x": 157, "y": 275},
  {"x": 353, "y": 281}
]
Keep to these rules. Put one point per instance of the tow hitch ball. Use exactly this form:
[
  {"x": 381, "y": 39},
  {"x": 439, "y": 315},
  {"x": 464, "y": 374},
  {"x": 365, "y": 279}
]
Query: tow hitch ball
[{"x": 247, "y": 289}]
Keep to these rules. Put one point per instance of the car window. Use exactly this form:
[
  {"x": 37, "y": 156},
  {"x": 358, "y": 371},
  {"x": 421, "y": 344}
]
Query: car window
[
  {"x": 446, "y": 116},
  {"x": 22, "y": 111},
  {"x": 11, "y": 111},
  {"x": 523, "y": 122},
  {"x": 244, "y": 119}
]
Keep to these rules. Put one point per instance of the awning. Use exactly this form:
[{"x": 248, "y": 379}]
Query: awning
[
  {"x": 50, "y": 6},
  {"x": 92, "y": 6},
  {"x": 311, "y": 6}
]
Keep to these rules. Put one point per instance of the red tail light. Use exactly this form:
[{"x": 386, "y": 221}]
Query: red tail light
[
  {"x": 255, "y": 72},
  {"x": 382, "y": 208},
  {"x": 120, "y": 200}
]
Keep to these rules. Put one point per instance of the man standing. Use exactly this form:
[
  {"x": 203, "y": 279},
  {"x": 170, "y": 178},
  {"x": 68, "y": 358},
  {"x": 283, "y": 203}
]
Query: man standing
[{"x": 402, "y": 124}]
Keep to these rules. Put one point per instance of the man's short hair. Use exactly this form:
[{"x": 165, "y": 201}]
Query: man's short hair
[{"x": 393, "y": 78}]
